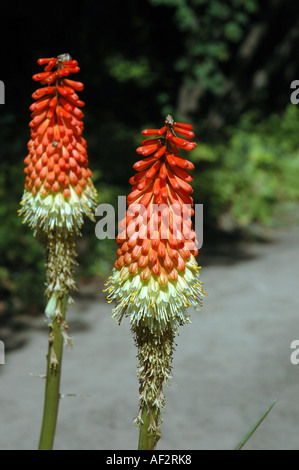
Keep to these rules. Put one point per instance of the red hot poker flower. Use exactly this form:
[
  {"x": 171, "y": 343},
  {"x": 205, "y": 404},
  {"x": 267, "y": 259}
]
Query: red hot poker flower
[
  {"x": 58, "y": 186},
  {"x": 155, "y": 277}
]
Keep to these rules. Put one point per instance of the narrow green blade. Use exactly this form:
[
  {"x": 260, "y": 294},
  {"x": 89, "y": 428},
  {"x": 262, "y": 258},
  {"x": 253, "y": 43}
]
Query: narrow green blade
[{"x": 249, "y": 434}]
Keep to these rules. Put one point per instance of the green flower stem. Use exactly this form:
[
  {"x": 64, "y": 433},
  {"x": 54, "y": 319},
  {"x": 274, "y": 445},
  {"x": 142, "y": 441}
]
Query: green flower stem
[
  {"x": 54, "y": 364},
  {"x": 147, "y": 437}
]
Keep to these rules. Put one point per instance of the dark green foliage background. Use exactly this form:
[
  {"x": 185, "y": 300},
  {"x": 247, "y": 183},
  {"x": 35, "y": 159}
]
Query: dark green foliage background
[{"x": 224, "y": 66}]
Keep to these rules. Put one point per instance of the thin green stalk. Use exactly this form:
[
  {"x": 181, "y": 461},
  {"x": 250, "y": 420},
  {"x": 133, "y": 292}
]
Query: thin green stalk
[
  {"x": 254, "y": 428},
  {"x": 52, "y": 389},
  {"x": 148, "y": 438}
]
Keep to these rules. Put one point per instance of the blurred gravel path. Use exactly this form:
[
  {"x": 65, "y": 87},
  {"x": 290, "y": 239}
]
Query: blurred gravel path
[{"x": 229, "y": 365}]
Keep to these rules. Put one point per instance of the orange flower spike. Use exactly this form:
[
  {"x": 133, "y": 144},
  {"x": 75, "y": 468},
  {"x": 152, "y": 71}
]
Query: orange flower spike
[
  {"x": 162, "y": 263},
  {"x": 58, "y": 194},
  {"x": 156, "y": 277},
  {"x": 58, "y": 188}
]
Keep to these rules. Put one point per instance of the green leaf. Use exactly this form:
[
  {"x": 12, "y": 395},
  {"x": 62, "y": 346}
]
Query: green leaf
[{"x": 254, "y": 428}]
